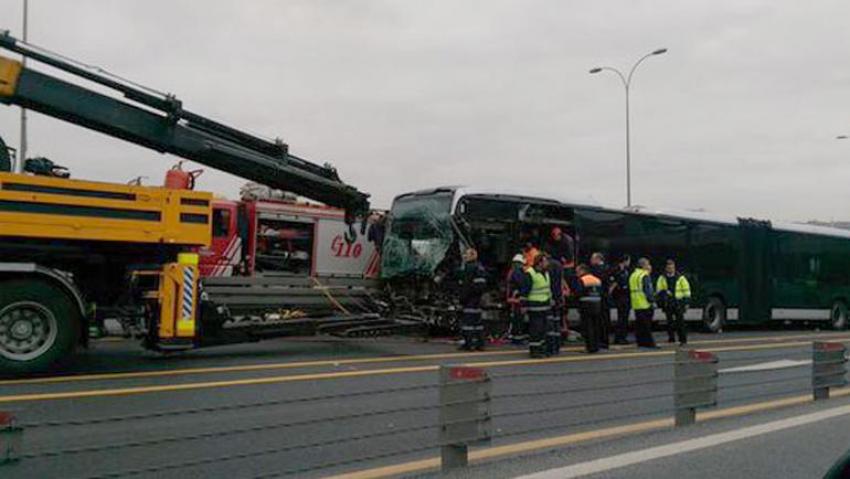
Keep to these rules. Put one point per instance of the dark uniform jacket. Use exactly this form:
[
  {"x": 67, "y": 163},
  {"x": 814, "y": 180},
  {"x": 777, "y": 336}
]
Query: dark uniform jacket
[
  {"x": 620, "y": 278},
  {"x": 473, "y": 284}
]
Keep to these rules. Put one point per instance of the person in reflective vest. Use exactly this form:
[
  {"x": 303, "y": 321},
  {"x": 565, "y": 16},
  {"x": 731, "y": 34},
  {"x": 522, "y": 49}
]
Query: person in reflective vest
[
  {"x": 674, "y": 295},
  {"x": 517, "y": 290},
  {"x": 473, "y": 284},
  {"x": 642, "y": 297},
  {"x": 590, "y": 307},
  {"x": 539, "y": 306}
]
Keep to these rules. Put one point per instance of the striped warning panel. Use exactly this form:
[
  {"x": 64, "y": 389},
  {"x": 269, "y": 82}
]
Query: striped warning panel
[{"x": 188, "y": 293}]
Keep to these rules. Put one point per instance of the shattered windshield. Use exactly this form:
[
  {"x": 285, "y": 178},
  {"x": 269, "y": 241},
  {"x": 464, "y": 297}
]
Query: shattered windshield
[{"x": 419, "y": 236}]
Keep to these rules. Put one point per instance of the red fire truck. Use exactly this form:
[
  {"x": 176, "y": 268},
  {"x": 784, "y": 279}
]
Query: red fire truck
[{"x": 275, "y": 236}]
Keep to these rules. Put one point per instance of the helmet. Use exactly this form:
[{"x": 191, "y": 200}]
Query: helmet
[{"x": 518, "y": 258}]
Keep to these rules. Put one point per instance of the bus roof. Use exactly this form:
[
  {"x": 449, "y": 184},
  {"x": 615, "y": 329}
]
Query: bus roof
[
  {"x": 460, "y": 191},
  {"x": 733, "y": 220},
  {"x": 692, "y": 215}
]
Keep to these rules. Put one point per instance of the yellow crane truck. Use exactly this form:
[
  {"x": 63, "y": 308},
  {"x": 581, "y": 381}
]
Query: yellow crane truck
[{"x": 69, "y": 247}]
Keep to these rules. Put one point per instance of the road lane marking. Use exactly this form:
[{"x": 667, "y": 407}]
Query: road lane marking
[
  {"x": 209, "y": 384},
  {"x": 768, "y": 366},
  {"x": 359, "y": 361},
  {"x": 362, "y": 373},
  {"x": 535, "y": 445},
  {"x": 619, "y": 461}
]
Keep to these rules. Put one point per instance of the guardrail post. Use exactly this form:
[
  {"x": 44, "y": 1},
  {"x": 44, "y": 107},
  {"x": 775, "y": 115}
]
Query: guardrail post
[
  {"x": 464, "y": 413},
  {"x": 694, "y": 384},
  {"x": 11, "y": 439},
  {"x": 828, "y": 368}
]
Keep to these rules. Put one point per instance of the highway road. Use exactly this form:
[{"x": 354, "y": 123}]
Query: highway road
[
  {"x": 319, "y": 407},
  {"x": 798, "y": 442}
]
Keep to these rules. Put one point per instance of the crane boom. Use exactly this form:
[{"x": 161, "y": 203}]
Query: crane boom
[{"x": 158, "y": 121}]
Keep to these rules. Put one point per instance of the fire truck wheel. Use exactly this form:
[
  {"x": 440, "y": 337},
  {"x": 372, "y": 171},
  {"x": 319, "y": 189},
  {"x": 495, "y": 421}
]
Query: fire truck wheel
[{"x": 38, "y": 326}]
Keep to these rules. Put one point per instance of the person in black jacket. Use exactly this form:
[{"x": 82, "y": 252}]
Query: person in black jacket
[
  {"x": 601, "y": 271},
  {"x": 473, "y": 284},
  {"x": 619, "y": 293}
]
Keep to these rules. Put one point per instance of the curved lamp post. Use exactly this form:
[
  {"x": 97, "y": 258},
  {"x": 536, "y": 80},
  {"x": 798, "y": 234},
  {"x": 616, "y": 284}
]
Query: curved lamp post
[{"x": 627, "y": 81}]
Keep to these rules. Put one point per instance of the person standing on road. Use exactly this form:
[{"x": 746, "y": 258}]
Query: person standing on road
[
  {"x": 539, "y": 306},
  {"x": 601, "y": 271},
  {"x": 642, "y": 297},
  {"x": 561, "y": 250},
  {"x": 517, "y": 290},
  {"x": 473, "y": 283},
  {"x": 619, "y": 292},
  {"x": 674, "y": 295},
  {"x": 590, "y": 307}
]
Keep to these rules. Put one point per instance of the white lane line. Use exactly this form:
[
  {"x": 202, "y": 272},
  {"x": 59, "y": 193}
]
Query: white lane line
[
  {"x": 780, "y": 364},
  {"x": 650, "y": 454}
]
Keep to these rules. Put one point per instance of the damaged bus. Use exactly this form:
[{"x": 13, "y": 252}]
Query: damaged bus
[{"x": 743, "y": 271}]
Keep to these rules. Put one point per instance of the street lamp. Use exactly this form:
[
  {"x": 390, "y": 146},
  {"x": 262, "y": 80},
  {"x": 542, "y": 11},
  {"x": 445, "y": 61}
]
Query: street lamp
[{"x": 627, "y": 81}]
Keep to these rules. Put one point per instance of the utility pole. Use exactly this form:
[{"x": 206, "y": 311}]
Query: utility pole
[
  {"x": 22, "y": 148},
  {"x": 627, "y": 83}
]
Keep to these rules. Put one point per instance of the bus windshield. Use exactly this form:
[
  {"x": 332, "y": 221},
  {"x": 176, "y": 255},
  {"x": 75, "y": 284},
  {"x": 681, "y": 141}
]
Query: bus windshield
[{"x": 419, "y": 236}]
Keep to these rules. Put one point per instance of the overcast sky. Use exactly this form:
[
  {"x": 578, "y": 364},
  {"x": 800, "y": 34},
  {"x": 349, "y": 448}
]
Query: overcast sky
[{"x": 739, "y": 117}]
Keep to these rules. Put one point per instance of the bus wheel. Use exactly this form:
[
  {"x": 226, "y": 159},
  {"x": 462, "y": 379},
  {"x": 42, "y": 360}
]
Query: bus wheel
[
  {"x": 38, "y": 326},
  {"x": 714, "y": 315},
  {"x": 838, "y": 315}
]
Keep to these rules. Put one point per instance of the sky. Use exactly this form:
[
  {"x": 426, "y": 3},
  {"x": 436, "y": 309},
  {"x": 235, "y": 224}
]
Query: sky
[{"x": 739, "y": 117}]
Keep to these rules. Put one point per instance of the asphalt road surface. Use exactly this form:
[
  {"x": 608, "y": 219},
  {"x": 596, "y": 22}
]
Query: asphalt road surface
[
  {"x": 318, "y": 407},
  {"x": 800, "y": 442}
]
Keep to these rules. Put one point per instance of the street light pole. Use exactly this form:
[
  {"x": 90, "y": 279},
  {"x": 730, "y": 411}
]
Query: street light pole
[
  {"x": 627, "y": 83},
  {"x": 22, "y": 148}
]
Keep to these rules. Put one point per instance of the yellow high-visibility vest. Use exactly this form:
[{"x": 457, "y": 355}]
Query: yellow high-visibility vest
[
  {"x": 682, "y": 290},
  {"x": 541, "y": 290},
  {"x": 639, "y": 299}
]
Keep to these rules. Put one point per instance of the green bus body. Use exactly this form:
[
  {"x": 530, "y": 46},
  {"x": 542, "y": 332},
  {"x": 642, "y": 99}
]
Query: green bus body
[{"x": 756, "y": 271}]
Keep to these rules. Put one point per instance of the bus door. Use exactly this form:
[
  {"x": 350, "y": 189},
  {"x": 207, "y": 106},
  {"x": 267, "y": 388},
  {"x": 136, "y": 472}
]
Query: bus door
[{"x": 755, "y": 271}]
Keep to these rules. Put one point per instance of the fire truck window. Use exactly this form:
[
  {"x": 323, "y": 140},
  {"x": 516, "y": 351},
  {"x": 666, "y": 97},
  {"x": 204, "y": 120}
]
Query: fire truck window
[
  {"x": 221, "y": 222},
  {"x": 284, "y": 247}
]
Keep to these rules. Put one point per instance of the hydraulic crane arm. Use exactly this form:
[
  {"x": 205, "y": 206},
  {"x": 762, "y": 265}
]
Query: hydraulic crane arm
[{"x": 159, "y": 122}]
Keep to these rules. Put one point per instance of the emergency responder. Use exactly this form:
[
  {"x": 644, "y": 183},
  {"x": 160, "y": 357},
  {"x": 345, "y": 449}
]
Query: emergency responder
[
  {"x": 529, "y": 253},
  {"x": 589, "y": 292},
  {"x": 517, "y": 290},
  {"x": 561, "y": 252},
  {"x": 619, "y": 293},
  {"x": 674, "y": 293},
  {"x": 473, "y": 283},
  {"x": 538, "y": 305},
  {"x": 601, "y": 271},
  {"x": 642, "y": 299}
]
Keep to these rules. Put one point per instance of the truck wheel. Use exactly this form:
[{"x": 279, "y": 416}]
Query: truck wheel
[
  {"x": 838, "y": 315},
  {"x": 39, "y": 326},
  {"x": 714, "y": 315}
]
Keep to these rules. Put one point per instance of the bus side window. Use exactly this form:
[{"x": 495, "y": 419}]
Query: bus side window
[{"x": 221, "y": 222}]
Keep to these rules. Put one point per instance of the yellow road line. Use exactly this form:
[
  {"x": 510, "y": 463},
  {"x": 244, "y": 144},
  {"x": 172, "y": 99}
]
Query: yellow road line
[
  {"x": 349, "y": 374},
  {"x": 357, "y": 361},
  {"x": 208, "y": 384},
  {"x": 494, "y": 452},
  {"x": 256, "y": 367}
]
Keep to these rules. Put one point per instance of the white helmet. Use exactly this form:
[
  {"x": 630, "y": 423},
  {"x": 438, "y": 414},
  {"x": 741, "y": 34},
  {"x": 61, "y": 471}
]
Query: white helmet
[{"x": 519, "y": 258}]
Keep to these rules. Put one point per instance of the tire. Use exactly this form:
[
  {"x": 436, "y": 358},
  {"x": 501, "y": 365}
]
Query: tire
[
  {"x": 39, "y": 326},
  {"x": 714, "y": 315},
  {"x": 838, "y": 315}
]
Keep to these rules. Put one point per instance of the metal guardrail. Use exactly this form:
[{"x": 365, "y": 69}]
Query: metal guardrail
[{"x": 464, "y": 407}]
